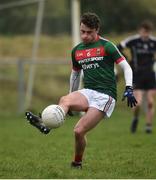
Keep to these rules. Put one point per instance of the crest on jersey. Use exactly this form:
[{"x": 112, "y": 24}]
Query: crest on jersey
[
  {"x": 98, "y": 51},
  {"x": 145, "y": 46}
]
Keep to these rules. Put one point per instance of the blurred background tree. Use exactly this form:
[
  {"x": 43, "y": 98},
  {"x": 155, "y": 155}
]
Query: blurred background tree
[
  {"x": 117, "y": 15},
  {"x": 121, "y": 15}
]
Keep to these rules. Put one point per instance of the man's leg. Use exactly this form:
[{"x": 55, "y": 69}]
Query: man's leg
[
  {"x": 86, "y": 123},
  {"x": 75, "y": 101},
  {"x": 150, "y": 110},
  {"x": 136, "y": 110}
]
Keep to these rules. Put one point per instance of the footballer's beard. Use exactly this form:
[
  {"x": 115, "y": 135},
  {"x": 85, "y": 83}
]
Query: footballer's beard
[{"x": 88, "y": 41}]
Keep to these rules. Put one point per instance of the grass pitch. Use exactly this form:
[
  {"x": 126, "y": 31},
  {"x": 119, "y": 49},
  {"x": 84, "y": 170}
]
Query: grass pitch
[{"x": 112, "y": 151}]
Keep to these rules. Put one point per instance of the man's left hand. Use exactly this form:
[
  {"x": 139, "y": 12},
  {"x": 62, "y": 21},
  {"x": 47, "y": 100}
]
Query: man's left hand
[{"x": 131, "y": 101}]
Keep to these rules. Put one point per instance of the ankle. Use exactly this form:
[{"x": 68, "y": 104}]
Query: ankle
[
  {"x": 78, "y": 158},
  {"x": 148, "y": 128},
  {"x": 148, "y": 124}
]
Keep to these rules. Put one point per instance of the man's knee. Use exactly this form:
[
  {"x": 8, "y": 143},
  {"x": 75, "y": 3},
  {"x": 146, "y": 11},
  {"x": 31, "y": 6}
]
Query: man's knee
[
  {"x": 150, "y": 105},
  {"x": 79, "y": 132},
  {"x": 139, "y": 102}
]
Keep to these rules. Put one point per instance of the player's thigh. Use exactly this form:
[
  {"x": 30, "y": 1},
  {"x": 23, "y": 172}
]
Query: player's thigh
[
  {"x": 77, "y": 101},
  {"x": 138, "y": 95},
  {"x": 92, "y": 117}
]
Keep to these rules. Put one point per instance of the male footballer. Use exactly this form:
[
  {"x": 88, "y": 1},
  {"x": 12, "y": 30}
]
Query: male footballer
[{"x": 95, "y": 56}]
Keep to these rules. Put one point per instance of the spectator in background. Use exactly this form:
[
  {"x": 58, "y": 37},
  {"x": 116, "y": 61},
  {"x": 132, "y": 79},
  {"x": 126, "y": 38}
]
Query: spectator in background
[{"x": 142, "y": 48}]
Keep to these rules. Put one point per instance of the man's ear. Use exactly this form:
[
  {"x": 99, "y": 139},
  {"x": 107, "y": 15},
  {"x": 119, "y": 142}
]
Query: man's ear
[{"x": 98, "y": 30}]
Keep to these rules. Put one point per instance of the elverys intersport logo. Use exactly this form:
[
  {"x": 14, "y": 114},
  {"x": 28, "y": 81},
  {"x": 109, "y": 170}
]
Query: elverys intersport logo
[{"x": 88, "y": 53}]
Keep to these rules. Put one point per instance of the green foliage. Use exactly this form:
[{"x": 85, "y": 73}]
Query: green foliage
[
  {"x": 57, "y": 8},
  {"x": 22, "y": 19},
  {"x": 116, "y": 15},
  {"x": 121, "y": 15},
  {"x": 111, "y": 153},
  {"x": 18, "y": 19}
]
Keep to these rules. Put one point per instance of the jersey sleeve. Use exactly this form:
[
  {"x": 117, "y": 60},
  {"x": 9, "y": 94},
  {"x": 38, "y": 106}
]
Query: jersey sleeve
[
  {"x": 128, "y": 42},
  {"x": 125, "y": 43},
  {"x": 114, "y": 53},
  {"x": 75, "y": 64}
]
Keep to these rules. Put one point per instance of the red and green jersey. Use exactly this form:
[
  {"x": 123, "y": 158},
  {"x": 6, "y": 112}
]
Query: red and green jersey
[{"x": 97, "y": 61}]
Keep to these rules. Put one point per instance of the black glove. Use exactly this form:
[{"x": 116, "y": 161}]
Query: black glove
[{"x": 131, "y": 101}]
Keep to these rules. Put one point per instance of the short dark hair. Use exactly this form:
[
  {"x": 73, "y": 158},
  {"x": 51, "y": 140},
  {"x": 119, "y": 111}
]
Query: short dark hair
[
  {"x": 91, "y": 20},
  {"x": 147, "y": 25}
]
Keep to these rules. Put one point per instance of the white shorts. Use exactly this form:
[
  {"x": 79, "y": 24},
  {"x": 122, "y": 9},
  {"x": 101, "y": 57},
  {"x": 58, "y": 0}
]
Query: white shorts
[{"x": 101, "y": 101}]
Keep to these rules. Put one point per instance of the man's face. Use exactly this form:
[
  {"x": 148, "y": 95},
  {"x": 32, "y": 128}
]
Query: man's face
[
  {"x": 87, "y": 34},
  {"x": 144, "y": 33}
]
